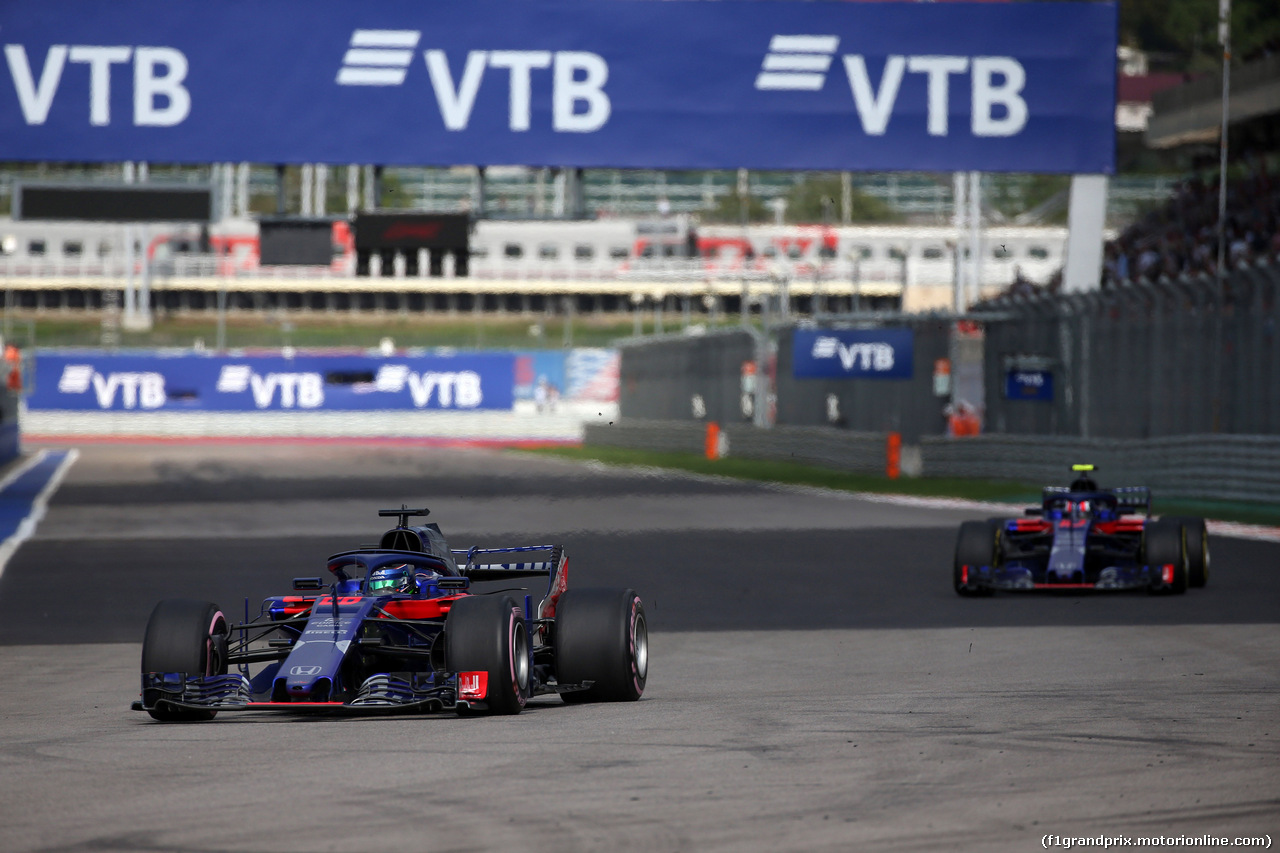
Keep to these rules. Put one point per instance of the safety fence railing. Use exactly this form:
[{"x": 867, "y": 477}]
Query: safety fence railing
[
  {"x": 1206, "y": 467},
  {"x": 1184, "y": 356},
  {"x": 1211, "y": 467}
]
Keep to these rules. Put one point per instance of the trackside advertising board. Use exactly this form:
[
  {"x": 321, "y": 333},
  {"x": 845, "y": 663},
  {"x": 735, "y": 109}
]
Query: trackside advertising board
[
  {"x": 1034, "y": 385},
  {"x": 108, "y": 382},
  {"x": 688, "y": 84},
  {"x": 852, "y": 354}
]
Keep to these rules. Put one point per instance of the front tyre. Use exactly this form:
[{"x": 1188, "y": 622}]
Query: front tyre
[
  {"x": 602, "y": 636},
  {"x": 977, "y": 544},
  {"x": 487, "y": 633},
  {"x": 185, "y": 636}
]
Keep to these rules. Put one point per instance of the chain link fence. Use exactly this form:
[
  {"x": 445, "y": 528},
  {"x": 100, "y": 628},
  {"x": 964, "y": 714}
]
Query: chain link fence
[
  {"x": 689, "y": 378},
  {"x": 1179, "y": 356},
  {"x": 1174, "y": 384},
  {"x": 712, "y": 378}
]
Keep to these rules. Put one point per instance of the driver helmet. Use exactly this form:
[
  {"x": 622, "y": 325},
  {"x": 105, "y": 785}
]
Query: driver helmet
[
  {"x": 1084, "y": 483},
  {"x": 390, "y": 580}
]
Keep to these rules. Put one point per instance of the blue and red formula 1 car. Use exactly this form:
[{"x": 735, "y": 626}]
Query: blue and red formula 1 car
[
  {"x": 1083, "y": 538},
  {"x": 398, "y": 629}
]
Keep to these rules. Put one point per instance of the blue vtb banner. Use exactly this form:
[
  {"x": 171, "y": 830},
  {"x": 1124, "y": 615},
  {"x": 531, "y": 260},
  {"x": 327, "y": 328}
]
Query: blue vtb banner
[
  {"x": 852, "y": 353},
  {"x": 690, "y": 84},
  {"x": 1029, "y": 385},
  {"x": 106, "y": 382}
]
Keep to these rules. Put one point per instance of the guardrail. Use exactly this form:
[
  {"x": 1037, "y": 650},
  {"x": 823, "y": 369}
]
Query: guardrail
[
  {"x": 1212, "y": 467},
  {"x": 1207, "y": 467},
  {"x": 860, "y": 452}
]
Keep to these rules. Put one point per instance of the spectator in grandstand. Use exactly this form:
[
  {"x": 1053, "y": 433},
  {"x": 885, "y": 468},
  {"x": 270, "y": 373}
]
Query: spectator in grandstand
[{"x": 1181, "y": 236}]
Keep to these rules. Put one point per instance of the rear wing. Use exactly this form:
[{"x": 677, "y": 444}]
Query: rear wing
[
  {"x": 1134, "y": 498},
  {"x": 1130, "y": 499},
  {"x": 555, "y": 568},
  {"x": 469, "y": 564}
]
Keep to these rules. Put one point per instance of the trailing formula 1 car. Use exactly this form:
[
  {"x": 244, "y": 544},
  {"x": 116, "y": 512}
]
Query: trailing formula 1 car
[
  {"x": 1082, "y": 537},
  {"x": 398, "y": 629}
]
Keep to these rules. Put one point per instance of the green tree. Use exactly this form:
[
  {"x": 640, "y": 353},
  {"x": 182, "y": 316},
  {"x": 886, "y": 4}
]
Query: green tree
[
  {"x": 1183, "y": 34},
  {"x": 729, "y": 209}
]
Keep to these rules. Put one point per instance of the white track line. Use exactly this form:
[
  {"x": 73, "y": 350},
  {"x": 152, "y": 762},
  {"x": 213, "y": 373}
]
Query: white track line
[
  {"x": 22, "y": 469},
  {"x": 38, "y": 507}
]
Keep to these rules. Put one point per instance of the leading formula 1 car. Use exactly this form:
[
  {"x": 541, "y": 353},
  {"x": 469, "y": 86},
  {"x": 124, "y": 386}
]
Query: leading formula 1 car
[
  {"x": 398, "y": 629},
  {"x": 1083, "y": 537}
]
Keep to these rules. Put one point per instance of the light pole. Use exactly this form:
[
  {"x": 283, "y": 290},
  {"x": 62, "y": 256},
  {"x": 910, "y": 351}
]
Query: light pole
[{"x": 1224, "y": 36}]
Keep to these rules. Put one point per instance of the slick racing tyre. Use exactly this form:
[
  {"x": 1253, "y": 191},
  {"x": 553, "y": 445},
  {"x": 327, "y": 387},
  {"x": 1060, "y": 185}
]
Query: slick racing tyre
[
  {"x": 183, "y": 636},
  {"x": 1163, "y": 544},
  {"x": 976, "y": 545},
  {"x": 601, "y": 636},
  {"x": 487, "y": 633},
  {"x": 1197, "y": 538}
]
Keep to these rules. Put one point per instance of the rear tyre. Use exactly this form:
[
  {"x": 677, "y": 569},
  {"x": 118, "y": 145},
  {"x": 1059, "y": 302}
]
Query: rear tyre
[
  {"x": 602, "y": 636},
  {"x": 183, "y": 636},
  {"x": 487, "y": 633},
  {"x": 976, "y": 545},
  {"x": 1197, "y": 538},
  {"x": 1164, "y": 544}
]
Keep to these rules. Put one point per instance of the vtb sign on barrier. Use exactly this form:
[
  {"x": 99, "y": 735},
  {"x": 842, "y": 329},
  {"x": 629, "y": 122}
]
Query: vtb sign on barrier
[
  {"x": 105, "y": 382},
  {"x": 852, "y": 353},
  {"x": 624, "y": 83}
]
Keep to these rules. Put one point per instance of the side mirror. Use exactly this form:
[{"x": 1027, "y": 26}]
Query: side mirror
[
  {"x": 453, "y": 583},
  {"x": 1033, "y": 510},
  {"x": 301, "y": 584}
]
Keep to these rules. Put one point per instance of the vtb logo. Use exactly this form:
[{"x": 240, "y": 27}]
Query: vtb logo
[
  {"x": 579, "y": 103},
  {"x": 875, "y": 357},
  {"x": 141, "y": 390},
  {"x": 800, "y": 63},
  {"x": 159, "y": 97},
  {"x": 297, "y": 390}
]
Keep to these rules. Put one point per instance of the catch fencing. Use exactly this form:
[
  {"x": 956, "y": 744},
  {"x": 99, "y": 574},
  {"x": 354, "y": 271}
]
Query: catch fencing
[
  {"x": 713, "y": 377},
  {"x": 679, "y": 377},
  {"x": 1185, "y": 356},
  {"x": 1174, "y": 383},
  {"x": 1188, "y": 356}
]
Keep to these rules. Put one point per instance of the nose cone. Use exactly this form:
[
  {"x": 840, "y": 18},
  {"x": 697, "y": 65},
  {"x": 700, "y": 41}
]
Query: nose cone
[
  {"x": 302, "y": 681},
  {"x": 309, "y": 688}
]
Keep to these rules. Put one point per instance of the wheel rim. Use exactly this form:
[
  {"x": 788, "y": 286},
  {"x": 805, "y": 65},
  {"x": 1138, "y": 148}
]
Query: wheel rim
[
  {"x": 640, "y": 642},
  {"x": 520, "y": 656}
]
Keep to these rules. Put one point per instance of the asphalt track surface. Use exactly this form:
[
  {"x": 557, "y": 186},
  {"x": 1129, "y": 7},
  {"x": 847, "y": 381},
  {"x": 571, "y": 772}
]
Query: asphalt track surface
[{"x": 815, "y": 683}]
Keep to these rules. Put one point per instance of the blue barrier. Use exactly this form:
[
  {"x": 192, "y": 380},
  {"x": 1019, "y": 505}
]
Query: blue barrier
[
  {"x": 98, "y": 381},
  {"x": 623, "y": 83}
]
